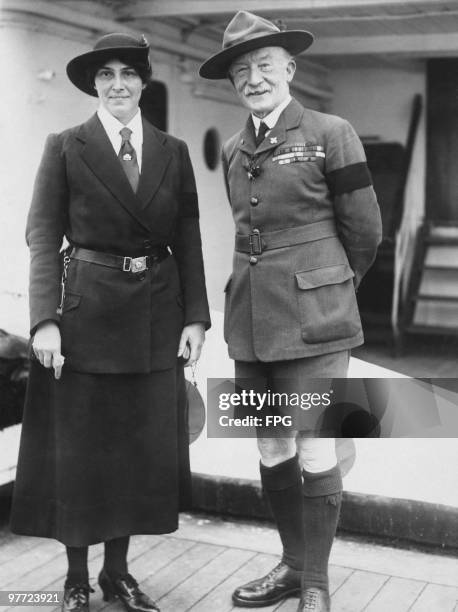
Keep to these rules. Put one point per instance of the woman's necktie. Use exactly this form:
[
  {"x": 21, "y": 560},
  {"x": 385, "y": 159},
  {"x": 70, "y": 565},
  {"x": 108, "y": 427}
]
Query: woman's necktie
[{"x": 128, "y": 158}]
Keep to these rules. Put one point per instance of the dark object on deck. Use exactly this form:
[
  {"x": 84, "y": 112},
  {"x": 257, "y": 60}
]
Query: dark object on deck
[
  {"x": 389, "y": 164},
  {"x": 13, "y": 377}
]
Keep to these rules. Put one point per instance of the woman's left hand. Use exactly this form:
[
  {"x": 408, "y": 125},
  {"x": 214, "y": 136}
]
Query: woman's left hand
[{"x": 191, "y": 342}]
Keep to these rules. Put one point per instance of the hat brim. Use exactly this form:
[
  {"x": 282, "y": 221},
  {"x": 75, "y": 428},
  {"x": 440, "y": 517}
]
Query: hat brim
[
  {"x": 294, "y": 41},
  {"x": 77, "y": 68}
]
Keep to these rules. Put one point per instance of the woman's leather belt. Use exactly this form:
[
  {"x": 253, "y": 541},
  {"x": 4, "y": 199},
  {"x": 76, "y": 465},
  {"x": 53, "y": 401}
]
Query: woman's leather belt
[
  {"x": 257, "y": 242},
  {"x": 126, "y": 264}
]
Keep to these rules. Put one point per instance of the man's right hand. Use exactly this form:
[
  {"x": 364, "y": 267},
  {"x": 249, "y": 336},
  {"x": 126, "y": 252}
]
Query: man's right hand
[{"x": 47, "y": 345}]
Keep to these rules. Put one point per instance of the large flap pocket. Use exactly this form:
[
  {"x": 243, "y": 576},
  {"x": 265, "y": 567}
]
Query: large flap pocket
[{"x": 319, "y": 277}]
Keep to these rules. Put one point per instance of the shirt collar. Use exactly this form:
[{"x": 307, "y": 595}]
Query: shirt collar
[
  {"x": 113, "y": 126},
  {"x": 271, "y": 119}
]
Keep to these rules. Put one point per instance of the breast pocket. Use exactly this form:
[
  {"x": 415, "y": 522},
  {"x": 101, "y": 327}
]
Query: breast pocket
[{"x": 327, "y": 304}]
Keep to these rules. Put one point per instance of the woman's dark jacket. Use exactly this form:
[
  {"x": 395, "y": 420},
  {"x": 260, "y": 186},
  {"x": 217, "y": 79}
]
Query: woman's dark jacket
[{"x": 115, "y": 321}]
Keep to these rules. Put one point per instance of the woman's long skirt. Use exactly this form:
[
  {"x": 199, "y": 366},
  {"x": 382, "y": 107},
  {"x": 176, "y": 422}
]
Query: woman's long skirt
[{"x": 99, "y": 456}]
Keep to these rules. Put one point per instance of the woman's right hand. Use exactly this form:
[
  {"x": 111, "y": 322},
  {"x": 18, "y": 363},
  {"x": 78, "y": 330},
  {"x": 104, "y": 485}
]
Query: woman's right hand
[{"x": 47, "y": 345}]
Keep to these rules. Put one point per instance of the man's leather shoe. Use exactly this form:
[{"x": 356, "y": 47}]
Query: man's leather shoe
[
  {"x": 126, "y": 588},
  {"x": 76, "y": 598},
  {"x": 314, "y": 600},
  {"x": 283, "y": 581}
]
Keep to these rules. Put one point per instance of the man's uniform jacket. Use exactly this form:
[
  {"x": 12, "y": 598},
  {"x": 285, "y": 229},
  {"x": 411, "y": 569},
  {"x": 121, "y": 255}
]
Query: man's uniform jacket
[
  {"x": 115, "y": 321},
  {"x": 307, "y": 190}
]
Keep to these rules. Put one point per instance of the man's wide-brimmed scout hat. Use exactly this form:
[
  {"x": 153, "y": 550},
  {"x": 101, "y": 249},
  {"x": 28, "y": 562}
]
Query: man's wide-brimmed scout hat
[
  {"x": 247, "y": 32},
  {"x": 120, "y": 46}
]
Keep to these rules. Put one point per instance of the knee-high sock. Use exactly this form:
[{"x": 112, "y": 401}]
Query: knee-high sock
[
  {"x": 282, "y": 484},
  {"x": 77, "y": 565},
  {"x": 115, "y": 562},
  {"x": 322, "y": 501}
]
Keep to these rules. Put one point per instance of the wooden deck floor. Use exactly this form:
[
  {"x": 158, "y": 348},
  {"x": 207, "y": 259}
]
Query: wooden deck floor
[{"x": 198, "y": 567}]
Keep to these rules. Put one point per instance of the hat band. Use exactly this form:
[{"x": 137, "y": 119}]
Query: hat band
[{"x": 239, "y": 41}]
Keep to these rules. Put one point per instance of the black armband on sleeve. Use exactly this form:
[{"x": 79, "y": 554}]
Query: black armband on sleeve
[{"x": 349, "y": 178}]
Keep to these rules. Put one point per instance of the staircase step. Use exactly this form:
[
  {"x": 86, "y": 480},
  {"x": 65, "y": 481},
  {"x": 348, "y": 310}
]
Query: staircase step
[
  {"x": 442, "y": 282},
  {"x": 431, "y": 329},
  {"x": 435, "y": 298},
  {"x": 442, "y": 255},
  {"x": 443, "y": 231},
  {"x": 441, "y": 240},
  {"x": 436, "y": 313},
  {"x": 451, "y": 266}
]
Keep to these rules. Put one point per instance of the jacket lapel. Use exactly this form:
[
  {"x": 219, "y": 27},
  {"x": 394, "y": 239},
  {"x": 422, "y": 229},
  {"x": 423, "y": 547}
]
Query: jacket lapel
[
  {"x": 247, "y": 142},
  {"x": 292, "y": 115},
  {"x": 155, "y": 159},
  {"x": 98, "y": 154},
  {"x": 289, "y": 119},
  {"x": 276, "y": 136}
]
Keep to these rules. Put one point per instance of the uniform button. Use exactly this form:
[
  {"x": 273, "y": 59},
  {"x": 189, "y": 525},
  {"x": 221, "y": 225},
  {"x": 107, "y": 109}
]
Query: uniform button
[
  {"x": 141, "y": 276},
  {"x": 254, "y": 201},
  {"x": 253, "y": 261},
  {"x": 147, "y": 244}
]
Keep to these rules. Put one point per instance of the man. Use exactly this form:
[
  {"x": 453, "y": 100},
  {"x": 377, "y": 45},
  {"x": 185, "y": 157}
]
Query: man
[{"x": 307, "y": 229}]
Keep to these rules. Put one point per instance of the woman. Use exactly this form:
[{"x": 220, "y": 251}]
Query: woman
[{"x": 99, "y": 453}]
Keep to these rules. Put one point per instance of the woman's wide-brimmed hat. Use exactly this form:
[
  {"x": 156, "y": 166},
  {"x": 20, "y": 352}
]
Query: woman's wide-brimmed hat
[
  {"x": 247, "y": 32},
  {"x": 120, "y": 46}
]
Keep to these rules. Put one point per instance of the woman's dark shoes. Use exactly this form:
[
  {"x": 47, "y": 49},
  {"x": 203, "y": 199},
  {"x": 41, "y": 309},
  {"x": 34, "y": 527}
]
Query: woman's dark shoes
[
  {"x": 283, "y": 581},
  {"x": 314, "y": 600},
  {"x": 76, "y": 598},
  {"x": 126, "y": 588}
]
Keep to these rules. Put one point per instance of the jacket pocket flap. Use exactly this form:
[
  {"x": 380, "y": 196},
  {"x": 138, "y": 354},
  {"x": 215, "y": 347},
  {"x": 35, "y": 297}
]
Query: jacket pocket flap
[
  {"x": 330, "y": 275},
  {"x": 72, "y": 300}
]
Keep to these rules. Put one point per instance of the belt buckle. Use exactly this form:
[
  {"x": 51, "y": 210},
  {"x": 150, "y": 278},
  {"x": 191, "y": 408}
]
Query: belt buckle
[
  {"x": 134, "y": 264},
  {"x": 255, "y": 242}
]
